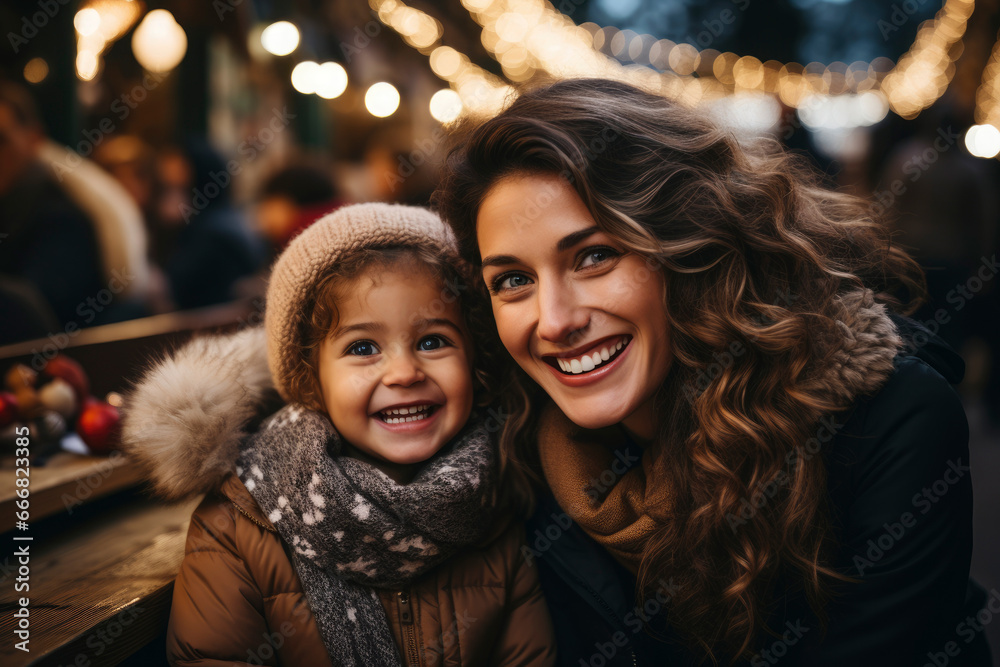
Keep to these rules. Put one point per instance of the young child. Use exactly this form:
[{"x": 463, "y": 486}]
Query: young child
[{"x": 357, "y": 524}]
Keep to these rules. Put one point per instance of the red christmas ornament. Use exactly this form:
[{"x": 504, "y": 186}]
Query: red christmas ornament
[
  {"x": 61, "y": 366},
  {"x": 99, "y": 426},
  {"x": 8, "y": 408}
]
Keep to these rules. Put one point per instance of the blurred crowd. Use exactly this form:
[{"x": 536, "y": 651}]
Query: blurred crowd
[
  {"x": 132, "y": 230},
  {"x": 135, "y": 230}
]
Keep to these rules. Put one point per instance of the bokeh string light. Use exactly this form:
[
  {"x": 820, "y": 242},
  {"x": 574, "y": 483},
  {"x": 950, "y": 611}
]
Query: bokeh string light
[
  {"x": 529, "y": 38},
  {"x": 983, "y": 139},
  {"x": 98, "y": 24},
  {"x": 480, "y": 92}
]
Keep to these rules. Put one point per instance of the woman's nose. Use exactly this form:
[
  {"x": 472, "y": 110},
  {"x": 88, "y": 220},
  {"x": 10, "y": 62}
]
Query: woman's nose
[
  {"x": 402, "y": 370},
  {"x": 560, "y": 314}
]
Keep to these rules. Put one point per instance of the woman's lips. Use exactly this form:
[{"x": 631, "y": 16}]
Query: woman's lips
[{"x": 620, "y": 346}]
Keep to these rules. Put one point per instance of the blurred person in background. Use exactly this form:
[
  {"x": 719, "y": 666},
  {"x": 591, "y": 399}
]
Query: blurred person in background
[
  {"x": 291, "y": 200},
  {"x": 133, "y": 163},
  {"x": 946, "y": 208},
  {"x": 72, "y": 244},
  {"x": 206, "y": 245}
]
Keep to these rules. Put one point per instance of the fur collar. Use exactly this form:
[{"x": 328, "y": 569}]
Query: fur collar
[{"x": 185, "y": 418}]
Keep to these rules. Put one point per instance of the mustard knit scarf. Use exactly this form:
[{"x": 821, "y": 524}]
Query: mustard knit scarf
[{"x": 588, "y": 473}]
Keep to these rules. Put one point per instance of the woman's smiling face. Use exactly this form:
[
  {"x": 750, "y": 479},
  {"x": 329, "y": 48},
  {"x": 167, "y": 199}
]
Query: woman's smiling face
[{"x": 580, "y": 314}]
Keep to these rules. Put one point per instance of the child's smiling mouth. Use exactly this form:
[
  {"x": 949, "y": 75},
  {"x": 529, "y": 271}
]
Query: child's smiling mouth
[{"x": 407, "y": 414}]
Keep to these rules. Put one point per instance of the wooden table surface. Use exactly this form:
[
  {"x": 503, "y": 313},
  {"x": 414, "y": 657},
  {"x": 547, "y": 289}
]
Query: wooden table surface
[{"x": 102, "y": 590}]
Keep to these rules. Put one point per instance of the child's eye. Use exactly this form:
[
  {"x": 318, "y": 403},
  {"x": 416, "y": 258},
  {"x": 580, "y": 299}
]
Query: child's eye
[
  {"x": 507, "y": 282},
  {"x": 363, "y": 348},
  {"x": 431, "y": 343},
  {"x": 594, "y": 256}
]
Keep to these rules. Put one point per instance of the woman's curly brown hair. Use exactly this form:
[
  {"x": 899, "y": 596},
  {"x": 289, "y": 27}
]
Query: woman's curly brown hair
[{"x": 755, "y": 251}]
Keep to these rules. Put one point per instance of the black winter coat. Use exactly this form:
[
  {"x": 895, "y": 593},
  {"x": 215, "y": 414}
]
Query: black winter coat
[{"x": 901, "y": 493}]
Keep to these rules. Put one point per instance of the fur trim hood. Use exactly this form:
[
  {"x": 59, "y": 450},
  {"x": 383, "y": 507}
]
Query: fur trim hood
[{"x": 186, "y": 416}]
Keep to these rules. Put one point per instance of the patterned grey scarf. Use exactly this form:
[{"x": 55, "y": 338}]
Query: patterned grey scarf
[{"x": 353, "y": 529}]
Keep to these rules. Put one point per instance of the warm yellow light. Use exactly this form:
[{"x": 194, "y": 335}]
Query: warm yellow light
[
  {"x": 305, "y": 77},
  {"x": 681, "y": 59},
  {"x": 382, "y": 99},
  {"x": 36, "y": 70},
  {"x": 332, "y": 80},
  {"x": 445, "y": 61},
  {"x": 86, "y": 65},
  {"x": 159, "y": 43},
  {"x": 983, "y": 141},
  {"x": 446, "y": 105},
  {"x": 87, "y": 21},
  {"x": 280, "y": 38},
  {"x": 512, "y": 27}
]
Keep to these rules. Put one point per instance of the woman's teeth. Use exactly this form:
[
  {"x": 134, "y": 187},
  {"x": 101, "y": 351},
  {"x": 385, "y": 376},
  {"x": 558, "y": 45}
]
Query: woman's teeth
[
  {"x": 401, "y": 415},
  {"x": 589, "y": 362}
]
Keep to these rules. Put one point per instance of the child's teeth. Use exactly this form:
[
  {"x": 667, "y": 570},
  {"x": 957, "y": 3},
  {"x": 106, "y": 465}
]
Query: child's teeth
[
  {"x": 400, "y": 415},
  {"x": 401, "y": 420}
]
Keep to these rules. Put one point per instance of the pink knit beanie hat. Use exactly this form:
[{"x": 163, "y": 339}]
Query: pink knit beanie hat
[{"x": 306, "y": 259}]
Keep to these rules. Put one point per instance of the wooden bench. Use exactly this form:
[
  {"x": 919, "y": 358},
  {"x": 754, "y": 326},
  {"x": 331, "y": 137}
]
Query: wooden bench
[
  {"x": 103, "y": 554},
  {"x": 100, "y": 587}
]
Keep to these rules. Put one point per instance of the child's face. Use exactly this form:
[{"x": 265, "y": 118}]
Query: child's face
[{"x": 401, "y": 342}]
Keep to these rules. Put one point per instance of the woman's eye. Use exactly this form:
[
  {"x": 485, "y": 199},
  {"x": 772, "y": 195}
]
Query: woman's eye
[
  {"x": 510, "y": 281},
  {"x": 362, "y": 348},
  {"x": 431, "y": 343},
  {"x": 595, "y": 256}
]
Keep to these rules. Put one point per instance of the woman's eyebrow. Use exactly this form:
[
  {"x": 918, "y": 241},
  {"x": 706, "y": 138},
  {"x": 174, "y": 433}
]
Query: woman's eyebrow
[
  {"x": 571, "y": 240},
  {"x": 498, "y": 260},
  {"x": 563, "y": 244}
]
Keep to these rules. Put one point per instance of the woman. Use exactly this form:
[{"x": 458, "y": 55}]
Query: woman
[{"x": 748, "y": 455}]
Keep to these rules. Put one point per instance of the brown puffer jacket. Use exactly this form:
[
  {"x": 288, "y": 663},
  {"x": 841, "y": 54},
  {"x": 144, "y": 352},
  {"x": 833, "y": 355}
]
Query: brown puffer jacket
[{"x": 238, "y": 600}]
